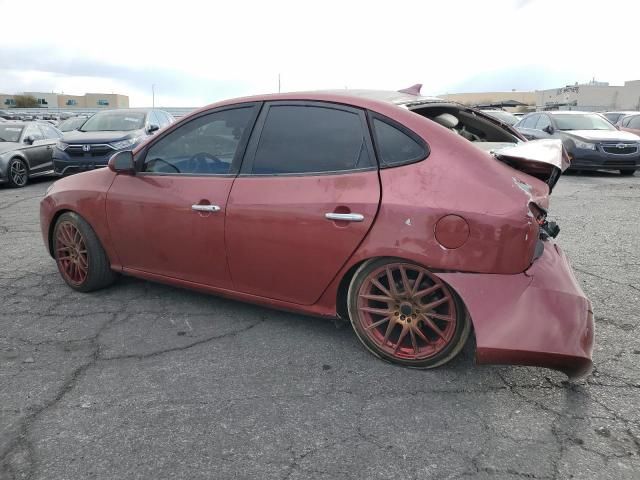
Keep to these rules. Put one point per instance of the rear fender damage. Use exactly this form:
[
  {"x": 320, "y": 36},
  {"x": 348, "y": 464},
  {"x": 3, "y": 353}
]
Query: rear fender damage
[{"x": 538, "y": 318}]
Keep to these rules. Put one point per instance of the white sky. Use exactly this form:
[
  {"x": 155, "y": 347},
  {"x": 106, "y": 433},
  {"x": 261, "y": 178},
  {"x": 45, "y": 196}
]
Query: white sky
[{"x": 197, "y": 52}]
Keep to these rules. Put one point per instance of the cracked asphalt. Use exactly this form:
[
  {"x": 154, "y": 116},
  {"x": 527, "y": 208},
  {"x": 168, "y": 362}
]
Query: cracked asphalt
[{"x": 147, "y": 381}]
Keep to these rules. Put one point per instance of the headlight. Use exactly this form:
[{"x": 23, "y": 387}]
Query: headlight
[
  {"x": 584, "y": 145},
  {"x": 122, "y": 144},
  {"x": 61, "y": 145}
]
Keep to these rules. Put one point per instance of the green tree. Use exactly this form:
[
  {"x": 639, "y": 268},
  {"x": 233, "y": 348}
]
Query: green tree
[{"x": 26, "y": 101}]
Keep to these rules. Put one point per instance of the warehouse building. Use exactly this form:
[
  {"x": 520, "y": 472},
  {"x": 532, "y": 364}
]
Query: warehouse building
[
  {"x": 593, "y": 96},
  {"x": 61, "y": 101}
]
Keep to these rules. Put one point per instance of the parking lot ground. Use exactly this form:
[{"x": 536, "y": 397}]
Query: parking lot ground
[{"x": 147, "y": 381}]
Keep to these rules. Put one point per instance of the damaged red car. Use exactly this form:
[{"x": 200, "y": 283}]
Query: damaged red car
[{"x": 420, "y": 220}]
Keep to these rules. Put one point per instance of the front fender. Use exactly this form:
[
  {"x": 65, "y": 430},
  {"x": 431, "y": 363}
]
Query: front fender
[{"x": 86, "y": 195}]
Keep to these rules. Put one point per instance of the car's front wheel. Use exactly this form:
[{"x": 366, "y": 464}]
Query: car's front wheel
[
  {"x": 81, "y": 260},
  {"x": 405, "y": 314},
  {"x": 628, "y": 172},
  {"x": 17, "y": 173}
]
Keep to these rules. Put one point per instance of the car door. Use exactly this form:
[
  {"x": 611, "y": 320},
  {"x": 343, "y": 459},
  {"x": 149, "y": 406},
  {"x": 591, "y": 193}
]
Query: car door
[
  {"x": 168, "y": 219},
  {"x": 307, "y": 194},
  {"x": 35, "y": 148},
  {"x": 51, "y": 136}
]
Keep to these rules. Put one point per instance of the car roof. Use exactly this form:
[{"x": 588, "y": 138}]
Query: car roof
[
  {"x": 569, "y": 112},
  {"x": 376, "y": 100}
]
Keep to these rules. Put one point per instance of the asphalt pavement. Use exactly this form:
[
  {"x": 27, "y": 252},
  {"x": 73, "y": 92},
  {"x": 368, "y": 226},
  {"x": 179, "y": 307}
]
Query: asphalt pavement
[{"x": 145, "y": 381}]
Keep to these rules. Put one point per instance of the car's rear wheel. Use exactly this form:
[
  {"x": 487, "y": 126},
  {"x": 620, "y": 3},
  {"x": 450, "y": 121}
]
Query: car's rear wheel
[
  {"x": 81, "y": 260},
  {"x": 405, "y": 314},
  {"x": 17, "y": 173},
  {"x": 628, "y": 172}
]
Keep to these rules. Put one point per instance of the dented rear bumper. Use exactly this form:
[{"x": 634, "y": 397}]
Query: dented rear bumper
[{"x": 538, "y": 318}]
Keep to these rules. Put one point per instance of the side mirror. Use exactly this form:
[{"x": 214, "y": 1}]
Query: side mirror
[
  {"x": 153, "y": 128},
  {"x": 549, "y": 129},
  {"x": 29, "y": 140},
  {"x": 122, "y": 162}
]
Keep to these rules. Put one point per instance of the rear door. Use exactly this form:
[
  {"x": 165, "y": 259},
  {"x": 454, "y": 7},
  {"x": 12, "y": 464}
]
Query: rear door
[
  {"x": 169, "y": 218},
  {"x": 38, "y": 153},
  {"x": 307, "y": 194}
]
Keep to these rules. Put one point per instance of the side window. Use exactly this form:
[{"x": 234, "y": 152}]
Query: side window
[
  {"x": 625, "y": 121},
  {"x": 530, "y": 122},
  {"x": 310, "y": 139},
  {"x": 153, "y": 119},
  {"x": 33, "y": 131},
  {"x": 206, "y": 145},
  {"x": 396, "y": 147},
  {"x": 49, "y": 132},
  {"x": 543, "y": 122},
  {"x": 634, "y": 122},
  {"x": 162, "y": 118}
]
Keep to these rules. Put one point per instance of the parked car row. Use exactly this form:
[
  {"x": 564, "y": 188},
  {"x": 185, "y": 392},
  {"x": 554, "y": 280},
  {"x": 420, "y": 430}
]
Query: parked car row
[{"x": 31, "y": 149}]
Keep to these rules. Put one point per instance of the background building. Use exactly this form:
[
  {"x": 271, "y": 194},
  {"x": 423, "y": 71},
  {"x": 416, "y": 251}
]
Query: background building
[
  {"x": 592, "y": 96},
  {"x": 524, "y": 101},
  {"x": 61, "y": 101}
]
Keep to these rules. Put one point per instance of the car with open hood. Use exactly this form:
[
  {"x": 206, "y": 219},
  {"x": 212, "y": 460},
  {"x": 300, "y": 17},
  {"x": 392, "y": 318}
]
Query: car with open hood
[
  {"x": 419, "y": 220},
  {"x": 591, "y": 141},
  {"x": 103, "y": 134},
  {"x": 26, "y": 151}
]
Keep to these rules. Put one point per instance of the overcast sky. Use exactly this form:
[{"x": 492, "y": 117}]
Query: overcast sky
[{"x": 197, "y": 52}]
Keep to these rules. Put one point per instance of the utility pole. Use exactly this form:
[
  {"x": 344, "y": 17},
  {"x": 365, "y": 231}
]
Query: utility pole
[
  {"x": 153, "y": 95},
  {"x": 278, "y": 83}
]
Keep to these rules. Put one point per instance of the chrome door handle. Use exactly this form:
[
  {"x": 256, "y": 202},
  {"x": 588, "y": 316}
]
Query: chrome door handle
[
  {"x": 345, "y": 217},
  {"x": 205, "y": 208}
]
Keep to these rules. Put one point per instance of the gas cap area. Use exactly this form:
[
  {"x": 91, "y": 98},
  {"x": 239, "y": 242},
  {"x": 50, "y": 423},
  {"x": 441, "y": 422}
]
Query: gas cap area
[{"x": 452, "y": 231}]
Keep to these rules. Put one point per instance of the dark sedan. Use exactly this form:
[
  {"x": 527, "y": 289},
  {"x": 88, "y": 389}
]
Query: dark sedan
[
  {"x": 25, "y": 151},
  {"x": 102, "y": 135},
  {"x": 591, "y": 141}
]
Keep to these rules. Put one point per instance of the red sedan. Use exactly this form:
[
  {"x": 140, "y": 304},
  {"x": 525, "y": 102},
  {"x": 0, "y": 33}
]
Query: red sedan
[{"x": 418, "y": 219}]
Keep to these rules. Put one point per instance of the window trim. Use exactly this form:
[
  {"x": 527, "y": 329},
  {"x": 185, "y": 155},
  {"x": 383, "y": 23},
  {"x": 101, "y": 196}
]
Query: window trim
[
  {"x": 371, "y": 116},
  {"x": 254, "y": 141},
  {"x": 237, "y": 158}
]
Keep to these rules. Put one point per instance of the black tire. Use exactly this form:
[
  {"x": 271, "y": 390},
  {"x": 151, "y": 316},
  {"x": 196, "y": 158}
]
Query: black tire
[
  {"x": 17, "y": 173},
  {"x": 451, "y": 349},
  {"x": 98, "y": 270},
  {"x": 627, "y": 172}
]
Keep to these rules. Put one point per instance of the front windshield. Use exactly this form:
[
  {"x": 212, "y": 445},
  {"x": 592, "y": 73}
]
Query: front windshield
[
  {"x": 588, "y": 121},
  {"x": 10, "y": 133},
  {"x": 505, "y": 117},
  {"x": 71, "y": 124},
  {"x": 114, "y": 121}
]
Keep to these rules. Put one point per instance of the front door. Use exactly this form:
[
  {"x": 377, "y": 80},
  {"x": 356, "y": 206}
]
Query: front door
[
  {"x": 169, "y": 218},
  {"x": 306, "y": 197}
]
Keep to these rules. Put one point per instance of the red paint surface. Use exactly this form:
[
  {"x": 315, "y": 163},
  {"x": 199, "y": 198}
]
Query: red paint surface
[
  {"x": 279, "y": 242},
  {"x": 270, "y": 243}
]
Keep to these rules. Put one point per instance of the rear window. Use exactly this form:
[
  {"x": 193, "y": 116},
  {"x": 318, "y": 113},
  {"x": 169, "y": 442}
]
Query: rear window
[
  {"x": 396, "y": 147},
  {"x": 310, "y": 139}
]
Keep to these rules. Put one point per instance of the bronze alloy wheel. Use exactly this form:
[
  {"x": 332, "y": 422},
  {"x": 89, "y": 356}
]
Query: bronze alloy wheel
[
  {"x": 71, "y": 253},
  {"x": 81, "y": 260},
  {"x": 404, "y": 313}
]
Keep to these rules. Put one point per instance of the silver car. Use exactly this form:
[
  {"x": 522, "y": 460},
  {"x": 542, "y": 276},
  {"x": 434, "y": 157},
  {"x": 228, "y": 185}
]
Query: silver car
[{"x": 26, "y": 150}]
